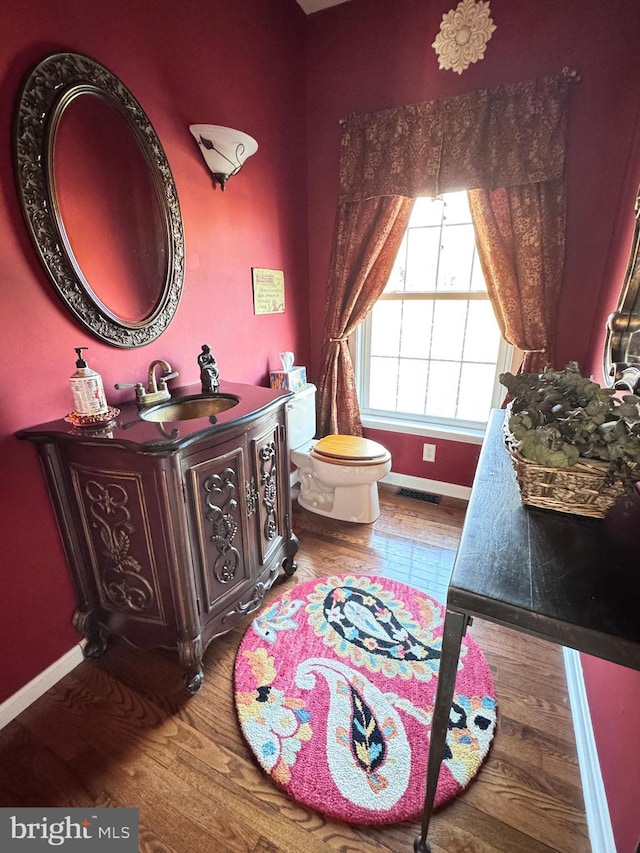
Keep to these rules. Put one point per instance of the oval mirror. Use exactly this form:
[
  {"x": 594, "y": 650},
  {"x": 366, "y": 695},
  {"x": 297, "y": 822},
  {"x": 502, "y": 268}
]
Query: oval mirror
[
  {"x": 99, "y": 200},
  {"x": 622, "y": 344}
]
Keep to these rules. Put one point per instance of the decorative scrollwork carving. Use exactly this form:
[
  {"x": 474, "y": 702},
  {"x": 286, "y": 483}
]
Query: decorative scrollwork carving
[
  {"x": 268, "y": 481},
  {"x": 222, "y": 508},
  {"x": 252, "y": 497},
  {"x": 120, "y": 572},
  {"x": 257, "y": 597}
]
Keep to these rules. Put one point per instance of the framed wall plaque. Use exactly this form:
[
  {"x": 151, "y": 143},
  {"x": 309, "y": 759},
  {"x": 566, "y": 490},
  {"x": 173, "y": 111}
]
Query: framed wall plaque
[{"x": 268, "y": 291}]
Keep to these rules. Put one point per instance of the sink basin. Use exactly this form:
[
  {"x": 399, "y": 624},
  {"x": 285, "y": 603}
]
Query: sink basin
[{"x": 187, "y": 408}]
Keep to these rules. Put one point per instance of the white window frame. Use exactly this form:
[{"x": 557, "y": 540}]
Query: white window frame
[
  {"x": 460, "y": 430},
  {"x": 471, "y": 432}
]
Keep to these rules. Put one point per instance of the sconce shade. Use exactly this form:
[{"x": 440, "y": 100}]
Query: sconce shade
[{"x": 223, "y": 148}]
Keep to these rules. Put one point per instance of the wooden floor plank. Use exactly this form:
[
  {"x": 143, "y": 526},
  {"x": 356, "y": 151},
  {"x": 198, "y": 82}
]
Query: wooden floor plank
[{"x": 124, "y": 732}]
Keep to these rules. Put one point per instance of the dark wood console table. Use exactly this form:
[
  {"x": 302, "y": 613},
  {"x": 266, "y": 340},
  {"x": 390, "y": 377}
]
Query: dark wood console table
[{"x": 565, "y": 578}]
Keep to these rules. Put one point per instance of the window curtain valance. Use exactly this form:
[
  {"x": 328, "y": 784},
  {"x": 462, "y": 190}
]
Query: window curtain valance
[
  {"x": 506, "y": 147},
  {"x": 500, "y": 137}
]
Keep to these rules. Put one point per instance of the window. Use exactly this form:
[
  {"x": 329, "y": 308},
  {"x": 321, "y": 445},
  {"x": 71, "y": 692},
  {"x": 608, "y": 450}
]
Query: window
[{"x": 430, "y": 351}]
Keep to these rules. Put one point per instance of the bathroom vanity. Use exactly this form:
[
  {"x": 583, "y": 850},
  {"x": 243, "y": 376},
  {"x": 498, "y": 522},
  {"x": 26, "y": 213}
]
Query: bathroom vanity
[{"x": 174, "y": 528}]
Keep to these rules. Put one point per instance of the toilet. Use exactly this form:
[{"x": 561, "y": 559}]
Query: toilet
[{"x": 339, "y": 473}]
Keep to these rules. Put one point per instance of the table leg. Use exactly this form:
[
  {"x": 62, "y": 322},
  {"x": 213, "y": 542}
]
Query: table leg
[{"x": 455, "y": 624}]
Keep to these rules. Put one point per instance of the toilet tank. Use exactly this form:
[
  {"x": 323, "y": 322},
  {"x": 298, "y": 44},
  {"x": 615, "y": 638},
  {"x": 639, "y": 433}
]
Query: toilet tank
[{"x": 301, "y": 416}]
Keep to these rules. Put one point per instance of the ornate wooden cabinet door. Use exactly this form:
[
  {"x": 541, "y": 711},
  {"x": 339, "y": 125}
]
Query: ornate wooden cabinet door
[
  {"x": 215, "y": 482},
  {"x": 267, "y": 493},
  {"x": 112, "y": 517}
]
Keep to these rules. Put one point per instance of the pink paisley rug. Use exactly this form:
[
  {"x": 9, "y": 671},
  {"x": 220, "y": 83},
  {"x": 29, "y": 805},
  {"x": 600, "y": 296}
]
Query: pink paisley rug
[{"x": 335, "y": 682}]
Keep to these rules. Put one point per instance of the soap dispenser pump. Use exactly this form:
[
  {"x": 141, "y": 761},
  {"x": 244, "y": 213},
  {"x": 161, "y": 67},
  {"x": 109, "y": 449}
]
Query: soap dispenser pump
[{"x": 87, "y": 388}]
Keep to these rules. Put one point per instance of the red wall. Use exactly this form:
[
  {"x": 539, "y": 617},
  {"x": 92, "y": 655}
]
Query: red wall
[
  {"x": 232, "y": 62},
  {"x": 455, "y": 462},
  {"x": 242, "y": 63},
  {"x": 612, "y": 690},
  {"x": 613, "y": 693},
  {"x": 372, "y": 54}
]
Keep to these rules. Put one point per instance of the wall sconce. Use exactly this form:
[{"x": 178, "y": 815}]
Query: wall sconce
[{"x": 223, "y": 148}]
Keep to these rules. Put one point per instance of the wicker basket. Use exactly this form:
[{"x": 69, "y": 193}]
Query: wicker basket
[{"x": 582, "y": 489}]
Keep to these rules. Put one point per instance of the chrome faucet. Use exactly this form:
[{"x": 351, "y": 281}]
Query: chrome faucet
[{"x": 156, "y": 390}]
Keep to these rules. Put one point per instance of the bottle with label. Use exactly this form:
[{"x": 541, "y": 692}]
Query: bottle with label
[{"x": 87, "y": 389}]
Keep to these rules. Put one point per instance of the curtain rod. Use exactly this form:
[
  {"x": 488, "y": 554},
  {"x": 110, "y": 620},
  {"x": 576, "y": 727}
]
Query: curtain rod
[{"x": 569, "y": 74}]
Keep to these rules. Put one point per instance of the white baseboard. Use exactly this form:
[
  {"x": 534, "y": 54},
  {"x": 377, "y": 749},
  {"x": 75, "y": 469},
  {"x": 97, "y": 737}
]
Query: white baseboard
[
  {"x": 28, "y": 694},
  {"x": 595, "y": 798},
  {"x": 435, "y": 487}
]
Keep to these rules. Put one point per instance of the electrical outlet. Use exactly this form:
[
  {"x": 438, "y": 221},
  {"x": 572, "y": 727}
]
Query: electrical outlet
[{"x": 428, "y": 453}]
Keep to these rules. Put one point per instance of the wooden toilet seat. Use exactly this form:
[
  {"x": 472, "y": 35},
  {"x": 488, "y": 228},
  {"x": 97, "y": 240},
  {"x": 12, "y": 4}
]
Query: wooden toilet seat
[{"x": 349, "y": 450}]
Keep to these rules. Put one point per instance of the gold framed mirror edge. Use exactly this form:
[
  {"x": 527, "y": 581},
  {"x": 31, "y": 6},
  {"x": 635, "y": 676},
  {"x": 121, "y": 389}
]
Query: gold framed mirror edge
[
  {"x": 622, "y": 344},
  {"x": 53, "y": 83}
]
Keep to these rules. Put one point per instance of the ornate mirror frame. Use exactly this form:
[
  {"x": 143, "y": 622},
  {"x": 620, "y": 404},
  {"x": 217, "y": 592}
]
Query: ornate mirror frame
[
  {"x": 621, "y": 362},
  {"x": 52, "y": 85}
]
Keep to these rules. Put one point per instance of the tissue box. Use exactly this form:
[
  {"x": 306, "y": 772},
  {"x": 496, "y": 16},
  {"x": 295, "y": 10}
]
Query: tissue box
[{"x": 289, "y": 380}]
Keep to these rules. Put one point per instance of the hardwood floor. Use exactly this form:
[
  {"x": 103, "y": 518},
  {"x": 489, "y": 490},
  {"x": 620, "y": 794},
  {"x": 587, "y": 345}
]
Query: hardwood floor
[{"x": 123, "y": 732}]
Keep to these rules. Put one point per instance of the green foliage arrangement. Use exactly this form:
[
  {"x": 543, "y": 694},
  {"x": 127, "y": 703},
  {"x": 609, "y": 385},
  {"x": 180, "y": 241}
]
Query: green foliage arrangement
[{"x": 560, "y": 416}]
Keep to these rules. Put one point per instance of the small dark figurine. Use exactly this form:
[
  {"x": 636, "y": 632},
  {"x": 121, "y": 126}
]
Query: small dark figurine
[{"x": 209, "y": 374}]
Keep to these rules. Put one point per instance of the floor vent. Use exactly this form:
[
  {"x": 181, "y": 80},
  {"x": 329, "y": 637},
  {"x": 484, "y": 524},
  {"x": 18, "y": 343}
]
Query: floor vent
[{"x": 414, "y": 494}]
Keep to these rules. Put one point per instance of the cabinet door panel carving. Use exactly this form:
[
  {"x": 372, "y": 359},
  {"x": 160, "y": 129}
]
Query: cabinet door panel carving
[
  {"x": 113, "y": 513},
  {"x": 269, "y": 487},
  {"x": 267, "y": 450},
  {"x": 215, "y": 495},
  {"x": 222, "y": 518}
]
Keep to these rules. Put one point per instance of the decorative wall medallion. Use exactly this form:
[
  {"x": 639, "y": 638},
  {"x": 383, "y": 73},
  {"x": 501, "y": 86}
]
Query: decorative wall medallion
[{"x": 464, "y": 33}]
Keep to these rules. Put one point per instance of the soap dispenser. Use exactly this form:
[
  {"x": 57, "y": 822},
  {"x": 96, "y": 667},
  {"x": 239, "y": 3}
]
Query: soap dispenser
[{"x": 87, "y": 389}]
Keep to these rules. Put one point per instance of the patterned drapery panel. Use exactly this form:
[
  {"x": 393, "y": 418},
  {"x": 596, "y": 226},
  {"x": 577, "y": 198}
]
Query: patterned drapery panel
[
  {"x": 520, "y": 236},
  {"x": 507, "y": 144},
  {"x": 366, "y": 241}
]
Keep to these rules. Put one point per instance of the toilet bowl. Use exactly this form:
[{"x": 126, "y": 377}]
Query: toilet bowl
[{"x": 338, "y": 474}]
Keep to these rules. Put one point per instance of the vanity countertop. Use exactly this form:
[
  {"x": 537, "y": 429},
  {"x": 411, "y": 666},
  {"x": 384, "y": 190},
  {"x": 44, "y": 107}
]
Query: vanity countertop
[{"x": 132, "y": 431}]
